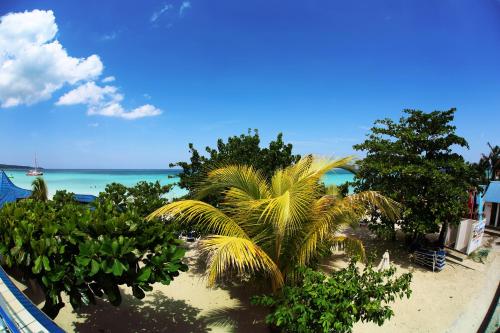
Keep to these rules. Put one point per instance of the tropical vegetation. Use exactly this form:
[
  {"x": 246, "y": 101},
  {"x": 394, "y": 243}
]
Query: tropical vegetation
[
  {"x": 267, "y": 227},
  {"x": 39, "y": 190},
  {"x": 334, "y": 302},
  {"x": 488, "y": 166},
  {"x": 412, "y": 162},
  {"x": 89, "y": 252},
  {"x": 244, "y": 149}
]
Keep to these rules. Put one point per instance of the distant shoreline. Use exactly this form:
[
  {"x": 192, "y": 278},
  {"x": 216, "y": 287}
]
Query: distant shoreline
[{"x": 16, "y": 167}]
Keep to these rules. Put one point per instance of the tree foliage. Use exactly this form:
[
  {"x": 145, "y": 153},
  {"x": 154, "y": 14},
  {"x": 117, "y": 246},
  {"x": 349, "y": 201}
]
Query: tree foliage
[
  {"x": 243, "y": 150},
  {"x": 267, "y": 227},
  {"x": 39, "y": 189},
  {"x": 144, "y": 197},
  {"x": 412, "y": 162},
  {"x": 333, "y": 303},
  {"x": 88, "y": 253}
]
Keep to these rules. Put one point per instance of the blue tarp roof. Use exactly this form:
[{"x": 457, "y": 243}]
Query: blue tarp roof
[
  {"x": 84, "y": 198},
  {"x": 10, "y": 192},
  {"x": 493, "y": 192}
]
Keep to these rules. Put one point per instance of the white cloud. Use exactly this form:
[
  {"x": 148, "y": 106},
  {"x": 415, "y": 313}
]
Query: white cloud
[
  {"x": 108, "y": 79},
  {"x": 92, "y": 94},
  {"x": 33, "y": 64},
  {"x": 185, "y": 5},
  {"x": 156, "y": 15},
  {"x": 105, "y": 101},
  {"x": 146, "y": 110}
]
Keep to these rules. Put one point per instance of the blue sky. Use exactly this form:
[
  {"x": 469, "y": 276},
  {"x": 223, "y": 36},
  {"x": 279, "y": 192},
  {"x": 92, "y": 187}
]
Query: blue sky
[{"x": 127, "y": 84}]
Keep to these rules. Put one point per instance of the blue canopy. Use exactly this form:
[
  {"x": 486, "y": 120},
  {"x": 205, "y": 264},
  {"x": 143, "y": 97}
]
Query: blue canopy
[
  {"x": 84, "y": 198},
  {"x": 493, "y": 192},
  {"x": 10, "y": 192}
]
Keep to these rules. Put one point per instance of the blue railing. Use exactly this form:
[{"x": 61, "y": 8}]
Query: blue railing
[{"x": 38, "y": 314}]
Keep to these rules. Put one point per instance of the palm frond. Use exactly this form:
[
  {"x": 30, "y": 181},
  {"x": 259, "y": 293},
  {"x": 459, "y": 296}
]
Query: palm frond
[
  {"x": 332, "y": 190},
  {"x": 204, "y": 215},
  {"x": 39, "y": 191},
  {"x": 322, "y": 165},
  {"x": 363, "y": 201},
  {"x": 327, "y": 218},
  {"x": 228, "y": 254},
  {"x": 244, "y": 178},
  {"x": 288, "y": 210}
]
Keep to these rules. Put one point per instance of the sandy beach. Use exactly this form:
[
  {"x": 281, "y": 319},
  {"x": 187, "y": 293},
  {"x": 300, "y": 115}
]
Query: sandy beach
[
  {"x": 454, "y": 300},
  {"x": 186, "y": 305}
]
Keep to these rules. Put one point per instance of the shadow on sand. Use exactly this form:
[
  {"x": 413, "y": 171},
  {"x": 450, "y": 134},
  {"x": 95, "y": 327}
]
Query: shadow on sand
[{"x": 157, "y": 313}]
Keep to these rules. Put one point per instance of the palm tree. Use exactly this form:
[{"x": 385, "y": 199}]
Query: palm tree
[
  {"x": 488, "y": 167},
  {"x": 492, "y": 161},
  {"x": 39, "y": 189},
  {"x": 271, "y": 227}
]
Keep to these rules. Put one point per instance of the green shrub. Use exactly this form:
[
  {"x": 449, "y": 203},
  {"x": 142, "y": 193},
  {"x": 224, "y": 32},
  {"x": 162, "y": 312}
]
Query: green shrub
[
  {"x": 321, "y": 303},
  {"x": 87, "y": 253}
]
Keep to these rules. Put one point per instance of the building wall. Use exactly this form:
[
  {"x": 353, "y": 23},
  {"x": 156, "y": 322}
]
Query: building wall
[
  {"x": 487, "y": 212},
  {"x": 488, "y": 207}
]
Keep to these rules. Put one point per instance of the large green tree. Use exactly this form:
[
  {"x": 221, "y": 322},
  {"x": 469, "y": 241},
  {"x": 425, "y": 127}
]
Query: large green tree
[
  {"x": 412, "y": 161},
  {"x": 241, "y": 150},
  {"x": 88, "y": 252}
]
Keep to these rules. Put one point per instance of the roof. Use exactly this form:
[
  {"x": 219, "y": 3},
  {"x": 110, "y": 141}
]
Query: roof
[
  {"x": 493, "y": 192},
  {"x": 10, "y": 192},
  {"x": 84, "y": 198}
]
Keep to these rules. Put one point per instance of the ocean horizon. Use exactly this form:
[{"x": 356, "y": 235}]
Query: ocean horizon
[{"x": 94, "y": 181}]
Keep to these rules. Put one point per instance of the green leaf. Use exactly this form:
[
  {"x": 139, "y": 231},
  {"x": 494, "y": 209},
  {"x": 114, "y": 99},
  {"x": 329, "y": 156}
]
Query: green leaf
[
  {"x": 117, "y": 268},
  {"x": 38, "y": 265},
  {"x": 178, "y": 254},
  {"x": 95, "y": 266},
  {"x": 144, "y": 274},
  {"x": 82, "y": 261},
  {"x": 114, "y": 247}
]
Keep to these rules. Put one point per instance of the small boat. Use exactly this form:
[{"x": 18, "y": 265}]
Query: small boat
[{"x": 35, "y": 171}]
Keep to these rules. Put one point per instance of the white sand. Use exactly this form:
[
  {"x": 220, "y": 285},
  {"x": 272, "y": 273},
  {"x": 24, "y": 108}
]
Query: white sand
[
  {"x": 186, "y": 305},
  {"x": 454, "y": 300}
]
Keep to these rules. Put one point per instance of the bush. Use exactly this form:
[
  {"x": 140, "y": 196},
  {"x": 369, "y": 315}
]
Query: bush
[
  {"x": 321, "y": 303},
  {"x": 87, "y": 253}
]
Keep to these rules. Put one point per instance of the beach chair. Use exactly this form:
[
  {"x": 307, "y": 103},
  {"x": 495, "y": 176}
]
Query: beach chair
[{"x": 435, "y": 260}]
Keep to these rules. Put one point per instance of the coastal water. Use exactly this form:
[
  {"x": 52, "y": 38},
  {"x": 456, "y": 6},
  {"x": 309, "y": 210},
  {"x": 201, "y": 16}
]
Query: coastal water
[{"x": 94, "y": 181}]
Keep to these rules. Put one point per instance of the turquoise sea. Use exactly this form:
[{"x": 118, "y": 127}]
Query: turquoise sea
[{"x": 94, "y": 181}]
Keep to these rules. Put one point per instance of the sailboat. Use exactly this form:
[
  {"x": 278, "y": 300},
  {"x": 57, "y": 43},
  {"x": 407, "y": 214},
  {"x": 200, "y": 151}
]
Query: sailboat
[{"x": 35, "y": 171}]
